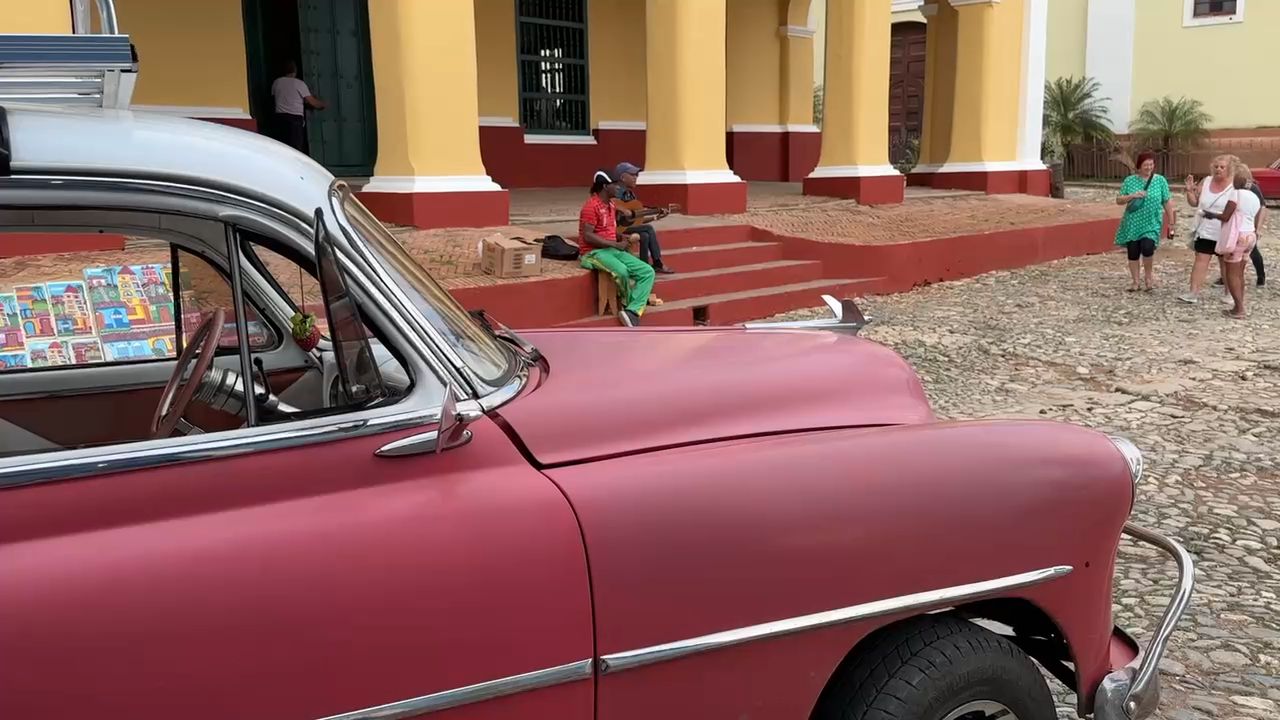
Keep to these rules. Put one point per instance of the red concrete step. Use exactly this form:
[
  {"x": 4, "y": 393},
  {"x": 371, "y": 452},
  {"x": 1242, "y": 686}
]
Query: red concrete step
[
  {"x": 738, "y": 307},
  {"x": 683, "y": 238},
  {"x": 738, "y": 278},
  {"x": 711, "y": 257}
]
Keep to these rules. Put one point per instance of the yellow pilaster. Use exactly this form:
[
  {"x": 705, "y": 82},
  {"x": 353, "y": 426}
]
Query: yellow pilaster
[
  {"x": 424, "y": 67},
  {"x": 939, "y": 84},
  {"x": 36, "y": 16},
  {"x": 685, "y": 160},
  {"x": 855, "y": 116},
  {"x": 685, "y": 46},
  {"x": 429, "y": 172},
  {"x": 797, "y": 80},
  {"x": 855, "y": 113},
  {"x": 988, "y": 73}
]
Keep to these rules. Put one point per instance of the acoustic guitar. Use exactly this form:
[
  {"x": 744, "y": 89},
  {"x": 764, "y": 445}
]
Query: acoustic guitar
[{"x": 641, "y": 215}]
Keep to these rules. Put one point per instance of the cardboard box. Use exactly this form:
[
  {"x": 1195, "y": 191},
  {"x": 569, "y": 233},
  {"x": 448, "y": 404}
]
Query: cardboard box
[{"x": 510, "y": 257}]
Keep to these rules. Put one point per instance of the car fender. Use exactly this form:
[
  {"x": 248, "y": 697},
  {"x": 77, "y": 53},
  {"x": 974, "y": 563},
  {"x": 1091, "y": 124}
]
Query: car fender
[{"x": 718, "y": 538}]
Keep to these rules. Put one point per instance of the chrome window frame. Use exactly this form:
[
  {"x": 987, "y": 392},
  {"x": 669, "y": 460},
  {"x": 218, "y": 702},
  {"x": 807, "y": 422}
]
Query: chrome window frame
[{"x": 420, "y": 408}]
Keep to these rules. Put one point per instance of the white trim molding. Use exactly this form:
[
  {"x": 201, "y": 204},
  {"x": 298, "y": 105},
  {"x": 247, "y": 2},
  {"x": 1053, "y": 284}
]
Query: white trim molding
[
  {"x": 907, "y": 5},
  {"x": 621, "y": 125},
  {"x": 1108, "y": 55},
  {"x": 803, "y": 128},
  {"x": 686, "y": 177},
  {"x": 930, "y": 10},
  {"x": 966, "y": 3},
  {"x": 1189, "y": 18},
  {"x": 497, "y": 121},
  {"x": 990, "y": 167},
  {"x": 533, "y": 139},
  {"x": 430, "y": 184},
  {"x": 1035, "y": 43},
  {"x": 193, "y": 111},
  {"x": 749, "y": 128},
  {"x": 796, "y": 31},
  {"x": 854, "y": 171}
]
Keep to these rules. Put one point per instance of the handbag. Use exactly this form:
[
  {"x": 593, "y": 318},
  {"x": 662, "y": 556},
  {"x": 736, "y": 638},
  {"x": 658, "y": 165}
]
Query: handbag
[
  {"x": 1229, "y": 237},
  {"x": 1136, "y": 203}
]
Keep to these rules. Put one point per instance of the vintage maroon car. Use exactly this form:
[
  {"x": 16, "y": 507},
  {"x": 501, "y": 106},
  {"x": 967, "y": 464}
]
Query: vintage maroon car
[
  {"x": 1269, "y": 180},
  {"x": 428, "y": 513}
]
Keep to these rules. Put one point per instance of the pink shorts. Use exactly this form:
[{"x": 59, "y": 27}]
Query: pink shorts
[{"x": 1243, "y": 247}]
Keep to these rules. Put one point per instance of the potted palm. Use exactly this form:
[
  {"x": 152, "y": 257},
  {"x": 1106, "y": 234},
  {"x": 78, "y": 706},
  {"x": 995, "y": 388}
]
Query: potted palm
[{"x": 1167, "y": 125}]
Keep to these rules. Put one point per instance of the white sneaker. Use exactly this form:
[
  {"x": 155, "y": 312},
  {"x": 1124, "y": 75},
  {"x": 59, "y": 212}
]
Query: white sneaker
[
  {"x": 1227, "y": 300},
  {"x": 1191, "y": 298}
]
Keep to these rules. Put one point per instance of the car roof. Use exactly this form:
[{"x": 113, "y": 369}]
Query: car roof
[{"x": 125, "y": 143}]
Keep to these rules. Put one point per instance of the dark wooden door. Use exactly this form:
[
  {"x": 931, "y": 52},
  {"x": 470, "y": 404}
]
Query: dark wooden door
[
  {"x": 338, "y": 67},
  {"x": 906, "y": 80}
]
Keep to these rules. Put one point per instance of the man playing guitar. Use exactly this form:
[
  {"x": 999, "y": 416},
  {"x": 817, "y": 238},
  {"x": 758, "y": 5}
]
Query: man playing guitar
[{"x": 634, "y": 217}]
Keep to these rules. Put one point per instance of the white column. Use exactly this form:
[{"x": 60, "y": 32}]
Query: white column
[
  {"x": 1108, "y": 56},
  {"x": 1034, "y": 45}
]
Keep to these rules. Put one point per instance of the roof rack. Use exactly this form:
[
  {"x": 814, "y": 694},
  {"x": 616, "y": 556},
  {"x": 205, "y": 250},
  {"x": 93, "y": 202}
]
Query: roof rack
[{"x": 81, "y": 68}]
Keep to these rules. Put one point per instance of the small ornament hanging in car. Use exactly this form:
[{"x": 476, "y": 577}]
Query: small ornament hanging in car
[{"x": 305, "y": 331}]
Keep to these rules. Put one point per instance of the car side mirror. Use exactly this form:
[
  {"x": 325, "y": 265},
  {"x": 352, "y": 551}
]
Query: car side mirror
[{"x": 452, "y": 432}]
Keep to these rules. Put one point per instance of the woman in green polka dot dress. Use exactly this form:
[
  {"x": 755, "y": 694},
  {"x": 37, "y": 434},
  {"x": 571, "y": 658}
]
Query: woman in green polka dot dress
[{"x": 1148, "y": 203}]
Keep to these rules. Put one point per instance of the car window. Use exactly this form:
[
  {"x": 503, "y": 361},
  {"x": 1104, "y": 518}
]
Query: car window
[{"x": 68, "y": 299}]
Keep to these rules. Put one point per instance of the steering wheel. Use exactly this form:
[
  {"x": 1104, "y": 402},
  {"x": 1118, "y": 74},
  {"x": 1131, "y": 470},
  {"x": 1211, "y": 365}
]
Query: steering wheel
[{"x": 174, "y": 400}]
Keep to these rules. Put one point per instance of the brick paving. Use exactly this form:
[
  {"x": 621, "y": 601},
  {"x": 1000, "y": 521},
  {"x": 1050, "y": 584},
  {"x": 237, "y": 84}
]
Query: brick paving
[{"x": 452, "y": 255}]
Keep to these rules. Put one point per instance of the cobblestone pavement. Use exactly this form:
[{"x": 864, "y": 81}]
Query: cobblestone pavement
[{"x": 1199, "y": 393}]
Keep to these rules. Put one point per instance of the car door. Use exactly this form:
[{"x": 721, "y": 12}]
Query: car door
[{"x": 293, "y": 571}]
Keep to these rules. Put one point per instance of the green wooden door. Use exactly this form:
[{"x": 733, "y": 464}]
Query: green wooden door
[{"x": 338, "y": 67}]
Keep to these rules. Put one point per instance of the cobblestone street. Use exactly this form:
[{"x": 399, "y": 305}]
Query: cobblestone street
[{"x": 1199, "y": 393}]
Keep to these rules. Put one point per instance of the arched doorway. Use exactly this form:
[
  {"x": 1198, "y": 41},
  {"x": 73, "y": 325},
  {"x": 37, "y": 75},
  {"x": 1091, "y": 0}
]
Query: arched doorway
[{"x": 906, "y": 87}]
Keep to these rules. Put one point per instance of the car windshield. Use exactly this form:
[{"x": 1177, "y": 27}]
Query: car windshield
[{"x": 491, "y": 360}]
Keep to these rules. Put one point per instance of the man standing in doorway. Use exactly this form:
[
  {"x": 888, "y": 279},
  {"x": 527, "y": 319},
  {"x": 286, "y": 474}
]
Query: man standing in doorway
[{"x": 292, "y": 98}]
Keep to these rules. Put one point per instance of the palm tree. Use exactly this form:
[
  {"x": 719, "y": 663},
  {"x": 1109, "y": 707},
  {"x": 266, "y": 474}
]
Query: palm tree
[
  {"x": 1074, "y": 113},
  {"x": 1164, "y": 122}
]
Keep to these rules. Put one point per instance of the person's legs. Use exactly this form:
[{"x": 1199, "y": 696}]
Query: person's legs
[
  {"x": 1148, "y": 251},
  {"x": 651, "y": 248},
  {"x": 1134, "y": 249},
  {"x": 1200, "y": 270},
  {"x": 645, "y": 233},
  {"x": 1235, "y": 285},
  {"x": 292, "y": 131},
  {"x": 634, "y": 278},
  {"x": 1258, "y": 266}
]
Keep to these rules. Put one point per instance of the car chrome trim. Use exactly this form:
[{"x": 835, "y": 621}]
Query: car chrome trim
[
  {"x": 929, "y": 599},
  {"x": 480, "y": 692},
  {"x": 1132, "y": 456},
  {"x": 846, "y": 318},
  {"x": 1133, "y": 692}
]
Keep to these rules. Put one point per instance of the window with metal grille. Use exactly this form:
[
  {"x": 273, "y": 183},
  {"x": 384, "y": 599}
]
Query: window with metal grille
[
  {"x": 1212, "y": 8},
  {"x": 551, "y": 47}
]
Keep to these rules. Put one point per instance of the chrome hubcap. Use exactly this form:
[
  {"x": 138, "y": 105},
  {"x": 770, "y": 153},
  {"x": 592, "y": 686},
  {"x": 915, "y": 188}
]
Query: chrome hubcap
[{"x": 981, "y": 710}]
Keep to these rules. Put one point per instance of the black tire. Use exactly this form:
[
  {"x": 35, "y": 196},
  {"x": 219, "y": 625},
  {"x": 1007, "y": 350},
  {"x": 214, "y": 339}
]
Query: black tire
[{"x": 929, "y": 667}]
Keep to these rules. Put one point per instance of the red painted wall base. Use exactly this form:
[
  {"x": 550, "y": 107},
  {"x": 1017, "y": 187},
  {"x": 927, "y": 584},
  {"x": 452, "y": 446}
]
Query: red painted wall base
[
  {"x": 19, "y": 244},
  {"x": 699, "y": 198},
  {"x": 876, "y": 190},
  {"x": 1008, "y": 182},
  {"x": 803, "y": 149},
  {"x": 243, "y": 123},
  {"x": 440, "y": 209}
]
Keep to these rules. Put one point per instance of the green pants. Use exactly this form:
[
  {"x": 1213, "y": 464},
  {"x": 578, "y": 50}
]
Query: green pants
[{"x": 633, "y": 276}]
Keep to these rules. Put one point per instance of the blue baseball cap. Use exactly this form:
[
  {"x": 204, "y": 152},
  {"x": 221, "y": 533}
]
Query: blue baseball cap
[{"x": 625, "y": 167}]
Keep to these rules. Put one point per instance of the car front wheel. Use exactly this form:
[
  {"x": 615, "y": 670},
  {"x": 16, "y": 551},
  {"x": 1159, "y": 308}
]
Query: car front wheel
[{"x": 937, "y": 668}]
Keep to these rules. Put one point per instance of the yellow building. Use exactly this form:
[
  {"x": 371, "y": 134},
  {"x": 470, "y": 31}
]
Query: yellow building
[
  {"x": 439, "y": 106},
  {"x": 1142, "y": 50}
]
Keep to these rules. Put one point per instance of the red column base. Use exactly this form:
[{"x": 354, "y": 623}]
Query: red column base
[
  {"x": 485, "y": 208},
  {"x": 698, "y": 198},
  {"x": 803, "y": 149},
  {"x": 870, "y": 190},
  {"x": 920, "y": 179},
  {"x": 999, "y": 182}
]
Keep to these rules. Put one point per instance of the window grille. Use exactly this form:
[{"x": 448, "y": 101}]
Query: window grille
[
  {"x": 1212, "y": 8},
  {"x": 551, "y": 38}
]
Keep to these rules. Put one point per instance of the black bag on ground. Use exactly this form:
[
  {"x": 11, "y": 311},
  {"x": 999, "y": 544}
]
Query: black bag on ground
[{"x": 555, "y": 247}]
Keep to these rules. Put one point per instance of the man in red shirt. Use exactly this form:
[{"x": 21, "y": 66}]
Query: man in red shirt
[{"x": 602, "y": 250}]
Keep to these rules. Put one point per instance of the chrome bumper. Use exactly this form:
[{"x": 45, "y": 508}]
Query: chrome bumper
[{"x": 1133, "y": 691}]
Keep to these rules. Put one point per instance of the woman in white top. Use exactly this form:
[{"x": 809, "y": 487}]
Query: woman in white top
[
  {"x": 1249, "y": 207},
  {"x": 1214, "y": 199}
]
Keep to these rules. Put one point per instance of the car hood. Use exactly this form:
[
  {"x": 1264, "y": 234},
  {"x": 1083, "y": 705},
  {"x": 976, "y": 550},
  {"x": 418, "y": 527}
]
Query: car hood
[{"x": 616, "y": 392}]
